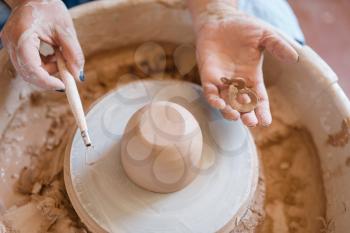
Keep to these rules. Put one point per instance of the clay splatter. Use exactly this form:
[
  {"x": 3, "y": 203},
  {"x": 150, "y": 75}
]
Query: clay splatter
[{"x": 341, "y": 138}]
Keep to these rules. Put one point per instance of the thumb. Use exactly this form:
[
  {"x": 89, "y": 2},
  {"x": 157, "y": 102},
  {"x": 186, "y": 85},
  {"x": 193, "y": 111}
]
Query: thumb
[
  {"x": 71, "y": 52},
  {"x": 279, "y": 47}
]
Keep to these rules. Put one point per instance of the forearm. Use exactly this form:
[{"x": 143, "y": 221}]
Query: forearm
[
  {"x": 14, "y": 3},
  {"x": 205, "y": 9}
]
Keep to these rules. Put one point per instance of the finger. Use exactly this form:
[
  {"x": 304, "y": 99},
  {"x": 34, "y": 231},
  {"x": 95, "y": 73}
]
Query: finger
[
  {"x": 262, "y": 111},
  {"x": 249, "y": 119},
  {"x": 262, "y": 114},
  {"x": 29, "y": 66},
  {"x": 212, "y": 69},
  {"x": 72, "y": 52},
  {"x": 278, "y": 47},
  {"x": 211, "y": 92},
  {"x": 216, "y": 102},
  {"x": 230, "y": 114},
  {"x": 243, "y": 99}
]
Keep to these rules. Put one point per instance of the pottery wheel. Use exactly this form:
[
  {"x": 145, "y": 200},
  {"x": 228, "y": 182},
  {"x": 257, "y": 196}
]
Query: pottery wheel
[{"x": 107, "y": 201}]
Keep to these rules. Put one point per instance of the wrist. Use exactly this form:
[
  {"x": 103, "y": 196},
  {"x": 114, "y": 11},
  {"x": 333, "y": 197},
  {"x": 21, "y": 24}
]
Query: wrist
[{"x": 203, "y": 11}]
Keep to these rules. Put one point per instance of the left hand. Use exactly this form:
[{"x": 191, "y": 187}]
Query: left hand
[
  {"x": 35, "y": 21},
  {"x": 232, "y": 45}
]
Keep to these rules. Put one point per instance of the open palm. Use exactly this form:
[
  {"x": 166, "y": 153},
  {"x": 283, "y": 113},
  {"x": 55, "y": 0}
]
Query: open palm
[{"x": 233, "y": 47}]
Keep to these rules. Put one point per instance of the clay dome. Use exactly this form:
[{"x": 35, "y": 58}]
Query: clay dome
[{"x": 161, "y": 147}]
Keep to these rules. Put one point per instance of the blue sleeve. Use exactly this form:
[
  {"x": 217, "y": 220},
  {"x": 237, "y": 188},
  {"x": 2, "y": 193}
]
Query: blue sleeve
[
  {"x": 4, "y": 13},
  {"x": 71, "y": 3},
  {"x": 275, "y": 12}
]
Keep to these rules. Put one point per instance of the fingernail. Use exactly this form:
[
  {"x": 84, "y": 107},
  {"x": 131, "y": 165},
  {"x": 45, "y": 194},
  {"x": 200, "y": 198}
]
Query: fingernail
[
  {"x": 61, "y": 90},
  {"x": 82, "y": 76}
]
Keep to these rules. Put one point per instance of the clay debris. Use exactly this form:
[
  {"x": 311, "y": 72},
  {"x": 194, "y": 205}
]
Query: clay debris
[{"x": 341, "y": 138}]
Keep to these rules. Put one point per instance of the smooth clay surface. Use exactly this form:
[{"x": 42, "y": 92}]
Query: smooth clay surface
[
  {"x": 32, "y": 191},
  {"x": 168, "y": 139}
]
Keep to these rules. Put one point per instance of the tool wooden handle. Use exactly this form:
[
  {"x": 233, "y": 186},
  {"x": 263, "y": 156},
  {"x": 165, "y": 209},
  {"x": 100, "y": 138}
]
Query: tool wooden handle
[{"x": 73, "y": 97}]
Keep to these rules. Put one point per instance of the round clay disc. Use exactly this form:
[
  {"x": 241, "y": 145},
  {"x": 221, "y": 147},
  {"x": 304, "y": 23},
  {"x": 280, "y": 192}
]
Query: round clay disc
[{"x": 107, "y": 201}]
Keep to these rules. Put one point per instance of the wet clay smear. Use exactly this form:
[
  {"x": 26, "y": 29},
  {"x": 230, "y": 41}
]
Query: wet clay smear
[
  {"x": 341, "y": 138},
  {"x": 295, "y": 199},
  {"x": 33, "y": 197}
]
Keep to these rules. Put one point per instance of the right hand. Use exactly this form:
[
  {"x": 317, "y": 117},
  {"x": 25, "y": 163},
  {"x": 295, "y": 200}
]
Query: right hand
[
  {"x": 34, "y": 21},
  {"x": 230, "y": 44}
]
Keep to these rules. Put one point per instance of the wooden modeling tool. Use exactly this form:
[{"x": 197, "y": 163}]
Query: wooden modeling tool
[{"x": 73, "y": 99}]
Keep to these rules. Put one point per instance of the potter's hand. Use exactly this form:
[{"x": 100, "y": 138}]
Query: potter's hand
[
  {"x": 230, "y": 44},
  {"x": 33, "y": 21}
]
